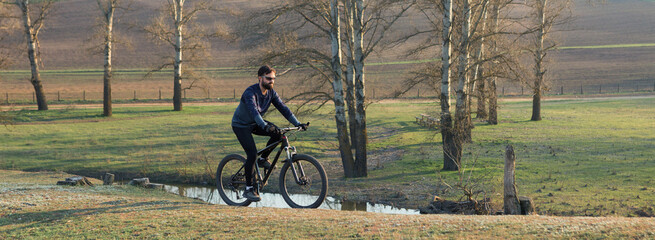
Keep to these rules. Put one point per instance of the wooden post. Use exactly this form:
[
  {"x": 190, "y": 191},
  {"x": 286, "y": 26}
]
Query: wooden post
[
  {"x": 418, "y": 93},
  {"x": 618, "y": 88},
  {"x": 503, "y": 92},
  {"x": 234, "y": 91},
  {"x": 58, "y": 96},
  {"x": 581, "y": 91},
  {"x": 184, "y": 93},
  {"x": 134, "y": 95},
  {"x": 159, "y": 93},
  {"x": 7, "y": 94},
  {"x": 512, "y": 205},
  {"x": 84, "y": 95},
  {"x": 108, "y": 179},
  {"x": 600, "y": 89},
  {"x": 561, "y": 91},
  {"x": 521, "y": 90}
]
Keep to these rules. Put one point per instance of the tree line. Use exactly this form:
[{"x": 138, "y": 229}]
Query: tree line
[{"x": 326, "y": 43}]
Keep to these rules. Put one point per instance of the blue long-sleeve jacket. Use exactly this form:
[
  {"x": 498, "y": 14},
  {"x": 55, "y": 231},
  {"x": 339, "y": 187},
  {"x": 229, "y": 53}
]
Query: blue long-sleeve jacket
[{"x": 254, "y": 104}]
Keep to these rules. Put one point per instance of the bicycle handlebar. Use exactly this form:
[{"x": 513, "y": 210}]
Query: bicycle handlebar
[{"x": 292, "y": 128}]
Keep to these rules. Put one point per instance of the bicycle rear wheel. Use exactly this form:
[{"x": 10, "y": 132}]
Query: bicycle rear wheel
[
  {"x": 308, "y": 187},
  {"x": 231, "y": 180}
]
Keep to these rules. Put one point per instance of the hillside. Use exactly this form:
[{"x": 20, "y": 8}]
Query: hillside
[
  {"x": 31, "y": 206},
  {"x": 605, "y": 69}
]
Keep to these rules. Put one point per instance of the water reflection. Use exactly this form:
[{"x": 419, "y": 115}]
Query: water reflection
[{"x": 211, "y": 195}]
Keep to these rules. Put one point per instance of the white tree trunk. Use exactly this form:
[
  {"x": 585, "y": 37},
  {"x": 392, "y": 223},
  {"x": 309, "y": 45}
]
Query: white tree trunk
[
  {"x": 462, "y": 125},
  {"x": 108, "y": 11},
  {"x": 337, "y": 85},
  {"x": 31, "y": 35},
  {"x": 177, "y": 85},
  {"x": 539, "y": 60},
  {"x": 445, "y": 56},
  {"x": 493, "y": 100},
  {"x": 360, "y": 93},
  {"x": 450, "y": 160},
  {"x": 350, "y": 70},
  {"x": 478, "y": 83}
]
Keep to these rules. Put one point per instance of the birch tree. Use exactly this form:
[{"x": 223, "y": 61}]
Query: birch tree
[
  {"x": 492, "y": 118},
  {"x": 176, "y": 26},
  {"x": 451, "y": 150},
  {"x": 33, "y": 22},
  {"x": 105, "y": 32},
  {"x": 458, "y": 30},
  {"x": 361, "y": 135},
  {"x": 303, "y": 34},
  {"x": 545, "y": 15}
]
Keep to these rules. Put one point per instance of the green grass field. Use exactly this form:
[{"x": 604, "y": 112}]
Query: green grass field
[
  {"x": 587, "y": 157},
  {"x": 32, "y": 207}
]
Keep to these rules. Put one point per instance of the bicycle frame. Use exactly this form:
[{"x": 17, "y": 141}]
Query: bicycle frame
[{"x": 290, "y": 151}]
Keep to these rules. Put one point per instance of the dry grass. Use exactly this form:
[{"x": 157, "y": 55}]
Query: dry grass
[{"x": 32, "y": 207}]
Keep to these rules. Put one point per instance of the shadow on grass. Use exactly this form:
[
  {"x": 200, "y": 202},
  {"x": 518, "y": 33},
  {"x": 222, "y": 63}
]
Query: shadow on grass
[
  {"x": 37, "y": 219},
  {"x": 67, "y": 115}
]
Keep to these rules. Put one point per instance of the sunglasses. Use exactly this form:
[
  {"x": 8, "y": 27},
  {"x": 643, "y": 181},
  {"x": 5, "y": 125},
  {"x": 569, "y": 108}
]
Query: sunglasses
[{"x": 269, "y": 78}]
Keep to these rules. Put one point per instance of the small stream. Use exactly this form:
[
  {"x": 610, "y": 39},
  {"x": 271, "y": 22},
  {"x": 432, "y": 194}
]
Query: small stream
[{"x": 211, "y": 195}]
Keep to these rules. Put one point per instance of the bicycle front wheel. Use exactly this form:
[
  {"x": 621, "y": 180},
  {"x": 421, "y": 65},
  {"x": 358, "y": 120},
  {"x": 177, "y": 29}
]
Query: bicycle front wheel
[
  {"x": 231, "y": 180},
  {"x": 303, "y": 182}
]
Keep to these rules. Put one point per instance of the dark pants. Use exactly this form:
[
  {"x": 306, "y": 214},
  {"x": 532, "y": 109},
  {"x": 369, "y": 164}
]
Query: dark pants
[{"x": 244, "y": 135}]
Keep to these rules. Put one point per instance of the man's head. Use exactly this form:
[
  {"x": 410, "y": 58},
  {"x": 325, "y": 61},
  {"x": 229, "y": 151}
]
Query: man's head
[{"x": 266, "y": 76}]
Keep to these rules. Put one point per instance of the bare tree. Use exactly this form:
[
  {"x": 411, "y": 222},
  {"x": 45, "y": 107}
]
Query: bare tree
[
  {"x": 298, "y": 33},
  {"x": 451, "y": 150},
  {"x": 8, "y": 24},
  {"x": 492, "y": 118},
  {"x": 176, "y": 26},
  {"x": 361, "y": 135},
  {"x": 460, "y": 27},
  {"x": 33, "y": 22},
  {"x": 105, "y": 29},
  {"x": 337, "y": 86},
  {"x": 546, "y": 15}
]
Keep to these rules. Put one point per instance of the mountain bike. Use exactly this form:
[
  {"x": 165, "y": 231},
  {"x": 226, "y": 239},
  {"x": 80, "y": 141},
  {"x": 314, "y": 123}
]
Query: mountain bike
[{"x": 302, "y": 181}]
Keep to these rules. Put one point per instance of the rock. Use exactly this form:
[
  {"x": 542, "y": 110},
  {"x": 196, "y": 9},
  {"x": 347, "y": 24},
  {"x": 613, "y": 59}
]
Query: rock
[{"x": 139, "y": 182}]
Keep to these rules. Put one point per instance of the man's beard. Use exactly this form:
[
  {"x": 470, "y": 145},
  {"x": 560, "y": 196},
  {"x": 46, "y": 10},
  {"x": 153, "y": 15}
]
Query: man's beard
[{"x": 267, "y": 86}]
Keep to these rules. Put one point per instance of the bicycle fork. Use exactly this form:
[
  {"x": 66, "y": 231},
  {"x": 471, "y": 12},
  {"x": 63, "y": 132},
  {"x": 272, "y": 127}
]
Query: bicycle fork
[{"x": 299, "y": 173}]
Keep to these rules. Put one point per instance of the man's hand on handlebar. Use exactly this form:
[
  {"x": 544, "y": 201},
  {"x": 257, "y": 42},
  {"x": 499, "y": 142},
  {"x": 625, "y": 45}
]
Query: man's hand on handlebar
[
  {"x": 271, "y": 128},
  {"x": 304, "y": 126}
]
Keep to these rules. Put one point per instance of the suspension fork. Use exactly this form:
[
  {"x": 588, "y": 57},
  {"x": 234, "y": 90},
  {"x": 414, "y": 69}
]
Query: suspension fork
[{"x": 291, "y": 152}]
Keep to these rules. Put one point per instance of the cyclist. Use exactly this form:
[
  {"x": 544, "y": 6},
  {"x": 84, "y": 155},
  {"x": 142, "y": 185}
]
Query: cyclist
[{"x": 247, "y": 120}]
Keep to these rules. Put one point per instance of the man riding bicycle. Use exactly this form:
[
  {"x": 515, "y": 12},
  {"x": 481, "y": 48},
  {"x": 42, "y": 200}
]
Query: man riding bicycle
[{"x": 247, "y": 120}]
